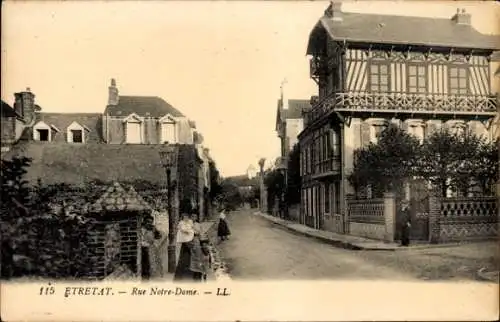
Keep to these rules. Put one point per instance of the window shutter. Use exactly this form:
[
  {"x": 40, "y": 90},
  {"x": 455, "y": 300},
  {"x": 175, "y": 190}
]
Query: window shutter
[
  {"x": 404, "y": 126},
  {"x": 365, "y": 134},
  {"x": 430, "y": 128}
]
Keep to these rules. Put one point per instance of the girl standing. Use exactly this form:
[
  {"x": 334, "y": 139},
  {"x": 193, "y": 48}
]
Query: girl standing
[
  {"x": 200, "y": 257},
  {"x": 223, "y": 231},
  {"x": 185, "y": 236}
]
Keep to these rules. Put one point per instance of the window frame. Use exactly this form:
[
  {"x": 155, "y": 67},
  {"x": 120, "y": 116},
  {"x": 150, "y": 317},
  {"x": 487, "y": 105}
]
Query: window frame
[
  {"x": 164, "y": 126},
  {"x": 458, "y": 90},
  {"x": 127, "y": 136},
  {"x": 378, "y": 64},
  {"x": 82, "y": 135},
  {"x": 417, "y": 76},
  {"x": 326, "y": 195}
]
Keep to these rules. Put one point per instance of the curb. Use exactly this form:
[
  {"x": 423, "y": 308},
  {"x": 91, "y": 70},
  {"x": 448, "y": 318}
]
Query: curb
[
  {"x": 355, "y": 246},
  {"x": 333, "y": 242},
  {"x": 483, "y": 275}
]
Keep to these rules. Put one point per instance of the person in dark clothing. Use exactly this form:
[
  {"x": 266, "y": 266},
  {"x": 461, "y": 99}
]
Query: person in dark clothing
[
  {"x": 7, "y": 259},
  {"x": 223, "y": 231},
  {"x": 406, "y": 225}
]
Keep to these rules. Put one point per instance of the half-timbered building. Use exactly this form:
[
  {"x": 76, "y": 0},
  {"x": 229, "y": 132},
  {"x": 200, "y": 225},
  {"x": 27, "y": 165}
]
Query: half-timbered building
[{"x": 419, "y": 73}]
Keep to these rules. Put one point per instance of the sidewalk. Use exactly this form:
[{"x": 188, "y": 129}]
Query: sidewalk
[{"x": 348, "y": 241}]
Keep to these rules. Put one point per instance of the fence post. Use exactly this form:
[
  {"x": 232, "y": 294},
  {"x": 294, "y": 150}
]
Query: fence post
[
  {"x": 346, "y": 217},
  {"x": 434, "y": 217},
  {"x": 389, "y": 216}
]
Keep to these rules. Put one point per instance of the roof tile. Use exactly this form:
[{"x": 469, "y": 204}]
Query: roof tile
[
  {"x": 144, "y": 106},
  {"x": 392, "y": 29}
]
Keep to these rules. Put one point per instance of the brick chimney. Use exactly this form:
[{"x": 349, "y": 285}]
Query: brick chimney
[
  {"x": 334, "y": 11},
  {"x": 25, "y": 105},
  {"x": 461, "y": 17},
  {"x": 113, "y": 97}
]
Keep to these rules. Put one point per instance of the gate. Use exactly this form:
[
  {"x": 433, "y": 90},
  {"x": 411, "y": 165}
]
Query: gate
[{"x": 418, "y": 211}]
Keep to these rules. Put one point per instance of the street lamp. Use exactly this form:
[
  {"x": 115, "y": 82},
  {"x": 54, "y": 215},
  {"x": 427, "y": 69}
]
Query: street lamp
[{"x": 168, "y": 159}]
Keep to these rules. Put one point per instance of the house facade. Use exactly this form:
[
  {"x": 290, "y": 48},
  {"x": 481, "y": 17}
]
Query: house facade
[
  {"x": 144, "y": 120},
  {"x": 373, "y": 70},
  {"x": 71, "y": 141},
  {"x": 289, "y": 122}
]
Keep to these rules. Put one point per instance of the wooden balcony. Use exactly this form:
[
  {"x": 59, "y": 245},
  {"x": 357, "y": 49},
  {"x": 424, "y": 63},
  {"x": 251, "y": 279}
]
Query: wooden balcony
[{"x": 432, "y": 105}]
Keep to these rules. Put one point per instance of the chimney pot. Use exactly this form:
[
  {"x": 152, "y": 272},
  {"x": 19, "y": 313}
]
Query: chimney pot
[
  {"x": 28, "y": 89},
  {"x": 334, "y": 11},
  {"x": 114, "y": 96},
  {"x": 461, "y": 17}
]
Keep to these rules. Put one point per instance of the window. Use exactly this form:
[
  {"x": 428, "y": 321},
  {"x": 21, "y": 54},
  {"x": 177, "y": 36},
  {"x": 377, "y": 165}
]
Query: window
[
  {"x": 168, "y": 132},
  {"x": 43, "y": 135},
  {"x": 417, "y": 79},
  {"x": 77, "y": 136},
  {"x": 375, "y": 131},
  {"x": 335, "y": 144},
  {"x": 379, "y": 77},
  {"x": 133, "y": 134},
  {"x": 417, "y": 129},
  {"x": 458, "y": 80},
  {"x": 327, "y": 198},
  {"x": 75, "y": 133},
  {"x": 43, "y": 132}
]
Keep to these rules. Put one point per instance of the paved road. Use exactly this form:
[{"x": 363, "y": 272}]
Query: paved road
[{"x": 260, "y": 250}]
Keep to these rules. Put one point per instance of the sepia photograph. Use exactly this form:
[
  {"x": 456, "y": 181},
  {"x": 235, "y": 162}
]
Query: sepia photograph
[{"x": 180, "y": 148}]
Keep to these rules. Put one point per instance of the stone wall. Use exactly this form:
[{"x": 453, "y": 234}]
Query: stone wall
[
  {"x": 8, "y": 130},
  {"x": 466, "y": 219},
  {"x": 366, "y": 218}
]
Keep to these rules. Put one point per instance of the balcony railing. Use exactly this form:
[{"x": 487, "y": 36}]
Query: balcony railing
[{"x": 405, "y": 103}]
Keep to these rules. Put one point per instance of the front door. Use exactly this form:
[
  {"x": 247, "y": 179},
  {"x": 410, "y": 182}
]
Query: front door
[{"x": 418, "y": 211}]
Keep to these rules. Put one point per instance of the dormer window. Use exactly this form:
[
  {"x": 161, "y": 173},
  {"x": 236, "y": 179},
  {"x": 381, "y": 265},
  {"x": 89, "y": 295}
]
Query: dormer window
[
  {"x": 43, "y": 132},
  {"x": 133, "y": 129},
  {"x": 76, "y": 133},
  {"x": 168, "y": 130}
]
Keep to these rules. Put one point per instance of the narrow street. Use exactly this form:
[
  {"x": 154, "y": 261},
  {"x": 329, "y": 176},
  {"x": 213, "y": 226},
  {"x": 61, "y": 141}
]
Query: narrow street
[{"x": 260, "y": 250}]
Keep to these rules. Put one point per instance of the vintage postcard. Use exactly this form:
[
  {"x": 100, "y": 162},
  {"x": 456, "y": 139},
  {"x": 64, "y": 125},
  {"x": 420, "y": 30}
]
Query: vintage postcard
[{"x": 250, "y": 160}]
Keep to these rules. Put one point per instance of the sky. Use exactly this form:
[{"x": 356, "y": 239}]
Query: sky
[{"x": 220, "y": 63}]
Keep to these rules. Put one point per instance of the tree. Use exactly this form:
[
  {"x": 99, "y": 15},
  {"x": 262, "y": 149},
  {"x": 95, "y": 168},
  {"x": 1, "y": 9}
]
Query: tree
[
  {"x": 215, "y": 187},
  {"x": 231, "y": 196},
  {"x": 385, "y": 165},
  {"x": 275, "y": 184},
  {"x": 292, "y": 195},
  {"x": 454, "y": 161},
  {"x": 486, "y": 164}
]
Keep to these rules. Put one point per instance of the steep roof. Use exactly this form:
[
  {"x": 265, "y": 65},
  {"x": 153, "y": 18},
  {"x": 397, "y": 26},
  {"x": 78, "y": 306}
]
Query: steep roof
[
  {"x": 295, "y": 108},
  {"x": 144, "y": 106},
  {"x": 7, "y": 110},
  {"x": 404, "y": 30},
  {"x": 92, "y": 121},
  {"x": 116, "y": 198},
  {"x": 294, "y": 111},
  {"x": 77, "y": 164}
]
